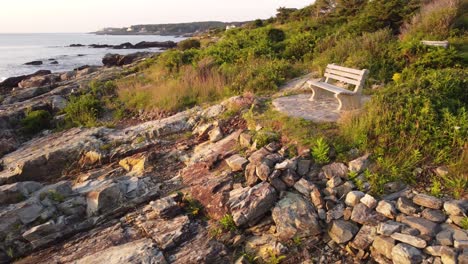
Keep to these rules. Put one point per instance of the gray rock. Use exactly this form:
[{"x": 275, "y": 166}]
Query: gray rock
[
  {"x": 334, "y": 182},
  {"x": 460, "y": 244},
  {"x": 410, "y": 240},
  {"x": 213, "y": 111},
  {"x": 29, "y": 211},
  {"x": 289, "y": 177},
  {"x": 142, "y": 251},
  {"x": 335, "y": 170},
  {"x": 43, "y": 234},
  {"x": 165, "y": 208},
  {"x": 258, "y": 155},
  {"x": 433, "y": 215},
  {"x": 287, "y": 165},
  {"x": 245, "y": 140},
  {"x": 410, "y": 231},
  {"x": 263, "y": 171},
  {"x": 168, "y": 234},
  {"x": 236, "y": 162},
  {"x": 353, "y": 198},
  {"x": 250, "y": 174},
  {"x": 304, "y": 187},
  {"x": 344, "y": 189},
  {"x": 364, "y": 215},
  {"x": 387, "y": 209},
  {"x": 406, "y": 206},
  {"x": 406, "y": 254},
  {"x": 295, "y": 217},
  {"x": 445, "y": 238},
  {"x": 342, "y": 231},
  {"x": 369, "y": 201},
  {"x": 427, "y": 201},
  {"x": 250, "y": 203},
  {"x": 336, "y": 213},
  {"x": 215, "y": 134},
  {"x": 388, "y": 228},
  {"x": 75, "y": 206},
  {"x": 360, "y": 164},
  {"x": 276, "y": 182},
  {"x": 383, "y": 245},
  {"x": 17, "y": 192},
  {"x": 303, "y": 167},
  {"x": 103, "y": 199},
  {"x": 424, "y": 226},
  {"x": 58, "y": 102}
]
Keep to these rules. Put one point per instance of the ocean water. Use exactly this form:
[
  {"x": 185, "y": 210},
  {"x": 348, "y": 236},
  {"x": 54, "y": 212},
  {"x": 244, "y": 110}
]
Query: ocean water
[{"x": 17, "y": 49}]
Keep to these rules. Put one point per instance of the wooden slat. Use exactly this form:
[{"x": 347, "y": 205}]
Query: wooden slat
[
  {"x": 342, "y": 79},
  {"x": 330, "y": 87},
  {"x": 357, "y": 77},
  {"x": 340, "y": 68}
]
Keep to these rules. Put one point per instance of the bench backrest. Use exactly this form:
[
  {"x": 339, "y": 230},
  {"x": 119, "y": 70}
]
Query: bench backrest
[{"x": 346, "y": 75}]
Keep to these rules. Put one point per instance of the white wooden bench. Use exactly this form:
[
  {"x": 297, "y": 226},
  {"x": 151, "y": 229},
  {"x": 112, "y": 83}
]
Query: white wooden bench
[
  {"x": 347, "y": 99},
  {"x": 444, "y": 44}
]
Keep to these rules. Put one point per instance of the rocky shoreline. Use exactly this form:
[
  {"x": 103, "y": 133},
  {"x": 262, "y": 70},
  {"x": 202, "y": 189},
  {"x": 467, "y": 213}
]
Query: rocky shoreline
[
  {"x": 128, "y": 45},
  {"x": 195, "y": 187}
]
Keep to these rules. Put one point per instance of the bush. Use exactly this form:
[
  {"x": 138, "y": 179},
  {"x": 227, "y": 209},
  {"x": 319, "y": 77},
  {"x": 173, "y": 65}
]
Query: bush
[
  {"x": 36, "y": 121},
  {"x": 83, "y": 110},
  {"x": 189, "y": 44}
]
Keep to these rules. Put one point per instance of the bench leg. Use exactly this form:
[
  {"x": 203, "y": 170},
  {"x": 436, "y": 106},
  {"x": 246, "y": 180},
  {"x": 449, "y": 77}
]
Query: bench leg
[
  {"x": 317, "y": 93},
  {"x": 348, "y": 101}
]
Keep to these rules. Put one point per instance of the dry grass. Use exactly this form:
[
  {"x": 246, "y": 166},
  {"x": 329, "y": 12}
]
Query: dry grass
[
  {"x": 159, "y": 89},
  {"x": 433, "y": 21}
]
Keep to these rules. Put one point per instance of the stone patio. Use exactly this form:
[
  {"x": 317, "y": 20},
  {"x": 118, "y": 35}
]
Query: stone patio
[{"x": 299, "y": 106}]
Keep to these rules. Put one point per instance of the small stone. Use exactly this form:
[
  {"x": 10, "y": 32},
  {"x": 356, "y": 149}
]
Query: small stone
[
  {"x": 461, "y": 244},
  {"x": 287, "y": 164},
  {"x": 344, "y": 189},
  {"x": 445, "y": 238},
  {"x": 336, "y": 213},
  {"x": 334, "y": 182},
  {"x": 316, "y": 198},
  {"x": 427, "y": 201},
  {"x": 361, "y": 214},
  {"x": 273, "y": 146},
  {"x": 263, "y": 171},
  {"x": 454, "y": 208},
  {"x": 251, "y": 175},
  {"x": 463, "y": 257},
  {"x": 360, "y": 164},
  {"x": 438, "y": 251},
  {"x": 215, "y": 134},
  {"x": 410, "y": 231},
  {"x": 406, "y": 206},
  {"x": 289, "y": 177},
  {"x": 410, "y": 240},
  {"x": 236, "y": 162},
  {"x": 364, "y": 237},
  {"x": 276, "y": 182},
  {"x": 258, "y": 155},
  {"x": 322, "y": 213},
  {"x": 387, "y": 209},
  {"x": 442, "y": 171},
  {"x": 406, "y": 254},
  {"x": 388, "y": 228},
  {"x": 424, "y": 226},
  {"x": 335, "y": 170},
  {"x": 245, "y": 140},
  {"x": 342, "y": 231},
  {"x": 369, "y": 201},
  {"x": 433, "y": 215},
  {"x": 303, "y": 167},
  {"x": 304, "y": 187},
  {"x": 383, "y": 246},
  {"x": 353, "y": 198}
]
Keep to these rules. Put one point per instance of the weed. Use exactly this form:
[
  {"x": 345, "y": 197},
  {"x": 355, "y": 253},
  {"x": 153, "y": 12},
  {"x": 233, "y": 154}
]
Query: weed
[
  {"x": 10, "y": 252},
  {"x": 227, "y": 223},
  {"x": 83, "y": 110},
  {"x": 320, "y": 151},
  {"x": 192, "y": 207},
  {"x": 36, "y": 121},
  {"x": 274, "y": 258},
  {"x": 464, "y": 223},
  {"x": 436, "y": 188},
  {"x": 297, "y": 241}
]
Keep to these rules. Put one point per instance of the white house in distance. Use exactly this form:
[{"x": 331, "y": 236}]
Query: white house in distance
[{"x": 228, "y": 27}]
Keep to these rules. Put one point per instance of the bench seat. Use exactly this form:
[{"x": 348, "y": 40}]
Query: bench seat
[{"x": 329, "y": 87}]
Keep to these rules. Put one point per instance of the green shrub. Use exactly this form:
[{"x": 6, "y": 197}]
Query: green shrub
[
  {"x": 227, "y": 223},
  {"x": 320, "y": 151},
  {"x": 189, "y": 44},
  {"x": 36, "y": 121},
  {"x": 263, "y": 138},
  {"x": 83, "y": 110}
]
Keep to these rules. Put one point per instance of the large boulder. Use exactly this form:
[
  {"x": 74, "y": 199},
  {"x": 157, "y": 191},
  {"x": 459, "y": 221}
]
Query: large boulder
[
  {"x": 17, "y": 192},
  {"x": 111, "y": 60},
  {"x": 249, "y": 204},
  {"x": 38, "y": 80},
  {"x": 103, "y": 199},
  {"x": 295, "y": 217},
  {"x": 14, "y": 81}
]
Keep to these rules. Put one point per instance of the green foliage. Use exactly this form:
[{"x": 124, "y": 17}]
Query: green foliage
[
  {"x": 263, "y": 138},
  {"x": 464, "y": 223},
  {"x": 53, "y": 195},
  {"x": 83, "y": 110},
  {"x": 436, "y": 188},
  {"x": 36, "y": 121},
  {"x": 320, "y": 151},
  {"x": 192, "y": 207},
  {"x": 227, "y": 223},
  {"x": 189, "y": 44},
  {"x": 274, "y": 258}
]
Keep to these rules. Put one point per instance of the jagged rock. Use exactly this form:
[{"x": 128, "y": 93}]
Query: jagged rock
[
  {"x": 295, "y": 217},
  {"x": 344, "y": 189},
  {"x": 61, "y": 190},
  {"x": 287, "y": 165},
  {"x": 445, "y": 238},
  {"x": 463, "y": 257},
  {"x": 213, "y": 111},
  {"x": 165, "y": 208},
  {"x": 75, "y": 206},
  {"x": 342, "y": 231},
  {"x": 360, "y": 164},
  {"x": 388, "y": 228},
  {"x": 29, "y": 211},
  {"x": 250, "y": 203},
  {"x": 335, "y": 170},
  {"x": 14, "y": 81},
  {"x": 111, "y": 60},
  {"x": 58, "y": 103},
  {"x": 369, "y": 201},
  {"x": 272, "y": 159},
  {"x": 251, "y": 174},
  {"x": 37, "y": 81},
  {"x": 258, "y": 155},
  {"x": 387, "y": 209},
  {"x": 424, "y": 226},
  {"x": 406, "y": 254},
  {"x": 454, "y": 208},
  {"x": 447, "y": 254},
  {"x": 17, "y": 192},
  {"x": 383, "y": 245},
  {"x": 236, "y": 162},
  {"x": 303, "y": 166},
  {"x": 353, "y": 198},
  {"x": 406, "y": 206},
  {"x": 168, "y": 234},
  {"x": 410, "y": 231},
  {"x": 263, "y": 171},
  {"x": 364, "y": 215},
  {"x": 142, "y": 251},
  {"x": 305, "y": 187},
  {"x": 336, "y": 213},
  {"x": 43, "y": 234},
  {"x": 245, "y": 140},
  {"x": 215, "y": 134},
  {"x": 276, "y": 182},
  {"x": 364, "y": 238},
  {"x": 433, "y": 215},
  {"x": 289, "y": 177},
  {"x": 427, "y": 201},
  {"x": 334, "y": 182},
  {"x": 460, "y": 244},
  {"x": 273, "y": 146},
  {"x": 410, "y": 240},
  {"x": 103, "y": 199}
]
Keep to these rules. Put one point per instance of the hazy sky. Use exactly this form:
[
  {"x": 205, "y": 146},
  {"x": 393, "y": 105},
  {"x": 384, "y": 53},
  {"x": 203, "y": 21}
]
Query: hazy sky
[{"x": 89, "y": 15}]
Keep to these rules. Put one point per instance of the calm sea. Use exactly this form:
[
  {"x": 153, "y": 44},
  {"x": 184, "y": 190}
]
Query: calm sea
[{"x": 17, "y": 49}]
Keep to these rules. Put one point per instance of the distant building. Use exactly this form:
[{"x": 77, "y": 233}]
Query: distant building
[
  {"x": 130, "y": 29},
  {"x": 228, "y": 27}
]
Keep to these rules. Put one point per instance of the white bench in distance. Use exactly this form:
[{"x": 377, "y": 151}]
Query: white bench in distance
[{"x": 347, "y": 99}]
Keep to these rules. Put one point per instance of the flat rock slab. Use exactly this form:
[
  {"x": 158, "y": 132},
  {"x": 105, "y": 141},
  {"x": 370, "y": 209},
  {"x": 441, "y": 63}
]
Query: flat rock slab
[{"x": 299, "y": 106}]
